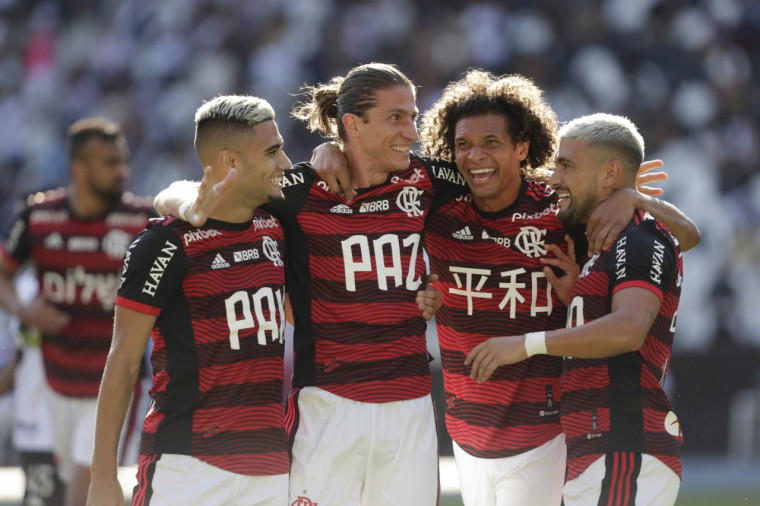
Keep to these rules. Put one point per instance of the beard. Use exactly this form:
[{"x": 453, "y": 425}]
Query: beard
[
  {"x": 579, "y": 210},
  {"x": 276, "y": 197},
  {"x": 111, "y": 195}
]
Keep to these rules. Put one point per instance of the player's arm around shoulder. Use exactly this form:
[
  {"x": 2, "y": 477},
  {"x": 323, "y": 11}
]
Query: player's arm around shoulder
[{"x": 191, "y": 201}]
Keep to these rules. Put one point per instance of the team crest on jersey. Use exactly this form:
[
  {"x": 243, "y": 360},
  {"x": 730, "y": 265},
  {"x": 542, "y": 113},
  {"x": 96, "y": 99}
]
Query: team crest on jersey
[
  {"x": 115, "y": 243},
  {"x": 408, "y": 201},
  {"x": 303, "y": 501},
  {"x": 219, "y": 262},
  {"x": 530, "y": 241},
  {"x": 272, "y": 251},
  {"x": 463, "y": 234},
  {"x": 371, "y": 207},
  {"x": 341, "y": 209},
  {"x": 53, "y": 241},
  {"x": 413, "y": 179}
]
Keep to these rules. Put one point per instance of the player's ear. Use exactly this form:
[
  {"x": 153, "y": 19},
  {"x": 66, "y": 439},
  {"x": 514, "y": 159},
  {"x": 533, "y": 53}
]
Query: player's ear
[
  {"x": 227, "y": 159},
  {"x": 522, "y": 148},
  {"x": 613, "y": 176},
  {"x": 351, "y": 123}
]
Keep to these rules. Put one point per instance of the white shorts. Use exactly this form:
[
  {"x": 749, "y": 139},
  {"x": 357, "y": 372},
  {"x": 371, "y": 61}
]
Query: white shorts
[
  {"x": 73, "y": 431},
  {"x": 183, "y": 479},
  {"x": 349, "y": 453},
  {"x": 533, "y": 477},
  {"x": 655, "y": 484}
]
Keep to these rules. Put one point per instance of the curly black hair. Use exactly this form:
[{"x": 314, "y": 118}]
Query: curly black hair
[{"x": 528, "y": 116}]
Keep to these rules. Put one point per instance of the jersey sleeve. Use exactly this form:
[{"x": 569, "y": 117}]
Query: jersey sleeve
[
  {"x": 16, "y": 247},
  {"x": 296, "y": 182},
  {"x": 642, "y": 256},
  {"x": 154, "y": 267},
  {"x": 447, "y": 182}
]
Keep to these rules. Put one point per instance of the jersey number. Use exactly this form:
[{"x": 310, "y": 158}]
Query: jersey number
[{"x": 268, "y": 308}]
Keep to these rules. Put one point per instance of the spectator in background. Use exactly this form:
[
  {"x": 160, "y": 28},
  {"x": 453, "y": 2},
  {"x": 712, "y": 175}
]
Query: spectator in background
[{"x": 76, "y": 238}]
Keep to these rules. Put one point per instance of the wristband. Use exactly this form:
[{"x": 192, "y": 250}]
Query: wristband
[
  {"x": 182, "y": 212},
  {"x": 535, "y": 343}
]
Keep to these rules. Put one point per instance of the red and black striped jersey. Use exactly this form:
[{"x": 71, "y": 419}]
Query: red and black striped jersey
[
  {"x": 618, "y": 403},
  {"x": 78, "y": 262},
  {"x": 492, "y": 284},
  {"x": 218, "y": 295},
  {"x": 353, "y": 273}
]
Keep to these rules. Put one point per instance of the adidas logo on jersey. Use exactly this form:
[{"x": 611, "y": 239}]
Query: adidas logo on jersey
[
  {"x": 341, "y": 209},
  {"x": 463, "y": 234},
  {"x": 219, "y": 262},
  {"x": 53, "y": 241}
]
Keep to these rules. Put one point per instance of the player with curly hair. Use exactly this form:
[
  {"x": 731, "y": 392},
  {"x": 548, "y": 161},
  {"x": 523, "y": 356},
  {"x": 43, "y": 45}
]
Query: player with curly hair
[{"x": 490, "y": 250}]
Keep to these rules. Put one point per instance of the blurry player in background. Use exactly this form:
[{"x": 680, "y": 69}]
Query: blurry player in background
[
  {"x": 32, "y": 432},
  {"x": 623, "y": 438},
  {"x": 212, "y": 299},
  {"x": 76, "y": 238}
]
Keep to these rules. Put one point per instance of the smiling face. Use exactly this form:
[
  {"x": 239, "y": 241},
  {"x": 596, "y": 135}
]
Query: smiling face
[
  {"x": 489, "y": 160},
  {"x": 577, "y": 181},
  {"x": 383, "y": 139},
  {"x": 262, "y": 162}
]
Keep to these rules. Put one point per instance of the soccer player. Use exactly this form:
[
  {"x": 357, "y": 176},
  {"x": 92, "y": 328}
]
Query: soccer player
[
  {"x": 487, "y": 247},
  {"x": 212, "y": 299},
  {"x": 623, "y": 437},
  {"x": 76, "y": 237},
  {"x": 361, "y": 417}
]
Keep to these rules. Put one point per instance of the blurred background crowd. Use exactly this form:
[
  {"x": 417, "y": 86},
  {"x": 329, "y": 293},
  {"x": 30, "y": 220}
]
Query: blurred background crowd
[{"x": 685, "y": 71}]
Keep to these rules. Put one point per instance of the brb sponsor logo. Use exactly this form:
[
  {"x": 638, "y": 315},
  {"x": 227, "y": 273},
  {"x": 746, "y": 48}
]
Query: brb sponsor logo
[
  {"x": 371, "y": 207},
  {"x": 199, "y": 235},
  {"x": 245, "y": 255}
]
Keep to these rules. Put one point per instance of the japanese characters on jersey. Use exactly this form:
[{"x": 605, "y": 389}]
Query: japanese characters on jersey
[{"x": 492, "y": 284}]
